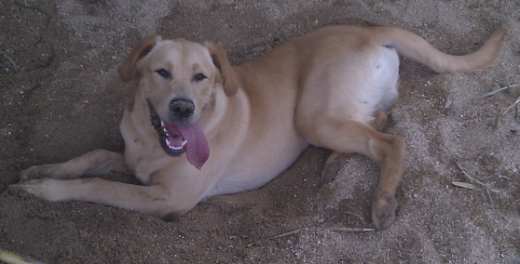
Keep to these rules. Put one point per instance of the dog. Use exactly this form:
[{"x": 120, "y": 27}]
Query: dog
[{"x": 194, "y": 126}]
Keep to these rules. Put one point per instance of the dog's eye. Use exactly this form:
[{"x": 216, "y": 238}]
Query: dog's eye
[
  {"x": 199, "y": 77},
  {"x": 164, "y": 73}
]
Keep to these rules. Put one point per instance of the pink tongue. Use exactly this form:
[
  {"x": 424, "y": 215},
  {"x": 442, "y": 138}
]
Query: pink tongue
[{"x": 197, "y": 149}]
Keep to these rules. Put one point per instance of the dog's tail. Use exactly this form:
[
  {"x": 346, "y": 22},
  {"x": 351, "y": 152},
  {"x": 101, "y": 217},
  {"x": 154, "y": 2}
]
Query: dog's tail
[{"x": 416, "y": 48}]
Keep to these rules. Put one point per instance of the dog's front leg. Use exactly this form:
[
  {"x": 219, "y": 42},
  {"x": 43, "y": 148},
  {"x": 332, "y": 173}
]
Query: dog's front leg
[
  {"x": 156, "y": 199},
  {"x": 94, "y": 162}
]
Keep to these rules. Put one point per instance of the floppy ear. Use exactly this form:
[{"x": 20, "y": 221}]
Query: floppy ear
[
  {"x": 229, "y": 80},
  {"x": 126, "y": 69}
]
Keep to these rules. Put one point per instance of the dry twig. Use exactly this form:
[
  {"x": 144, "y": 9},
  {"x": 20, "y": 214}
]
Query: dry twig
[
  {"x": 11, "y": 60},
  {"x": 350, "y": 229},
  {"x": 511, "y": 106},
  {"x": 11, "y": 258},
  {"x": 487, "y": 187},
  {"x": 464, "y": 185},
  {"x": 289, "y": 233},
  {"x": 505, "y": 88},
  {"x": 333, "y": 229}
]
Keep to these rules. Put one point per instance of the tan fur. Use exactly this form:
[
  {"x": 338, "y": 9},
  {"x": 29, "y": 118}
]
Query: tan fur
[{"x": 327, "y": 88}]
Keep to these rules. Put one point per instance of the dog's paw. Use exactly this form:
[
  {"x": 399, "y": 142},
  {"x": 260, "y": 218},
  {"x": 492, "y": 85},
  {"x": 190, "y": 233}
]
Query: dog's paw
[
  {"x": 48, "y": 189},
  {"x": 329, "y": 173},
  {"x": 332, "y": 168},
  {"x": 383, "y": 212},
  {"x": 18, "y": 190},
  {"x": 34, "y": 172}
]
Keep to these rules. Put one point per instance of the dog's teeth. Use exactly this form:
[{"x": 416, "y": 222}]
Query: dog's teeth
[
  {"x": 176, "y": 148},
  {"x": 162, "y": 124}
]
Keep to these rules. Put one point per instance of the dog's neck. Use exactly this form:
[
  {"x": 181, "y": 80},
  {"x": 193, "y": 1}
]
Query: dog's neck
[
  {"x": 214, "y": 111},
  {"x": 225, "y": 113}
]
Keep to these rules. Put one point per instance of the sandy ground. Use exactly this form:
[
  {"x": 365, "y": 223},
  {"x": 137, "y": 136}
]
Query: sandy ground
[{"x": 61, "y": 97}]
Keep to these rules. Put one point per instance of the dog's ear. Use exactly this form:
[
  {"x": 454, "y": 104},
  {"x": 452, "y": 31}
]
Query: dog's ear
[
  {"x": 229, "y": 80},
  {"x": 126, "y": 69}
]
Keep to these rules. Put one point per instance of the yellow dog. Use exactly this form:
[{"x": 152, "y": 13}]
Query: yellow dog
[{"x": 194, "y": 126}]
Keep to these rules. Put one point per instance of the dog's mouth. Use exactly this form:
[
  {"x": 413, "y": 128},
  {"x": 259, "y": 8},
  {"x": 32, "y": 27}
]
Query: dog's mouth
[{"x": 177, "y": 138}]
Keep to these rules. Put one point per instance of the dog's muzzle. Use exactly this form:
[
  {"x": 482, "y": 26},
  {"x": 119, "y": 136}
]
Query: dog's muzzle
[{"x": 177, "y": 138}]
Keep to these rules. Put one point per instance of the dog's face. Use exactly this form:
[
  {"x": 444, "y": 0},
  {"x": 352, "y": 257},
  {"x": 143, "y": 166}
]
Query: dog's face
[{"x": 178, "y": 80}]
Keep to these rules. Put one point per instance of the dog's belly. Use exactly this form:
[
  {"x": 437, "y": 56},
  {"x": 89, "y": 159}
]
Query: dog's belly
[
  {"x": 270, "y": 144},
  {"x": 256, "y": 168},
  {"x": 386, "y": 74}
]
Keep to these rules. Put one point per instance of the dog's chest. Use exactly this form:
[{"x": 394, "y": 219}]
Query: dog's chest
[{"x": 142, "y": 150}]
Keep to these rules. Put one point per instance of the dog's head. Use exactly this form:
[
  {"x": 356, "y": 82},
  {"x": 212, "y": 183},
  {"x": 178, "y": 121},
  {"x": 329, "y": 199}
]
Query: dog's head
[{"x": 178, "y": 79}]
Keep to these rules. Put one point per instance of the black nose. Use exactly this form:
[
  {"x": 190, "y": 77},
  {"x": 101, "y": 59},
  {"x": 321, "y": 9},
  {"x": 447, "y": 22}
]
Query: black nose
[{"x": 182, "y": 109}]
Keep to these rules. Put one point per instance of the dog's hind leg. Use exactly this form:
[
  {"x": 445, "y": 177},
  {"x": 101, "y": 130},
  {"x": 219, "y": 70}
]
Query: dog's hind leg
[
  {"x": 379, "y": 121},
  {"x": 388, "y": 151},
  {"x": 94, "y": 162},
  {"x": 336, "y": 161}
]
